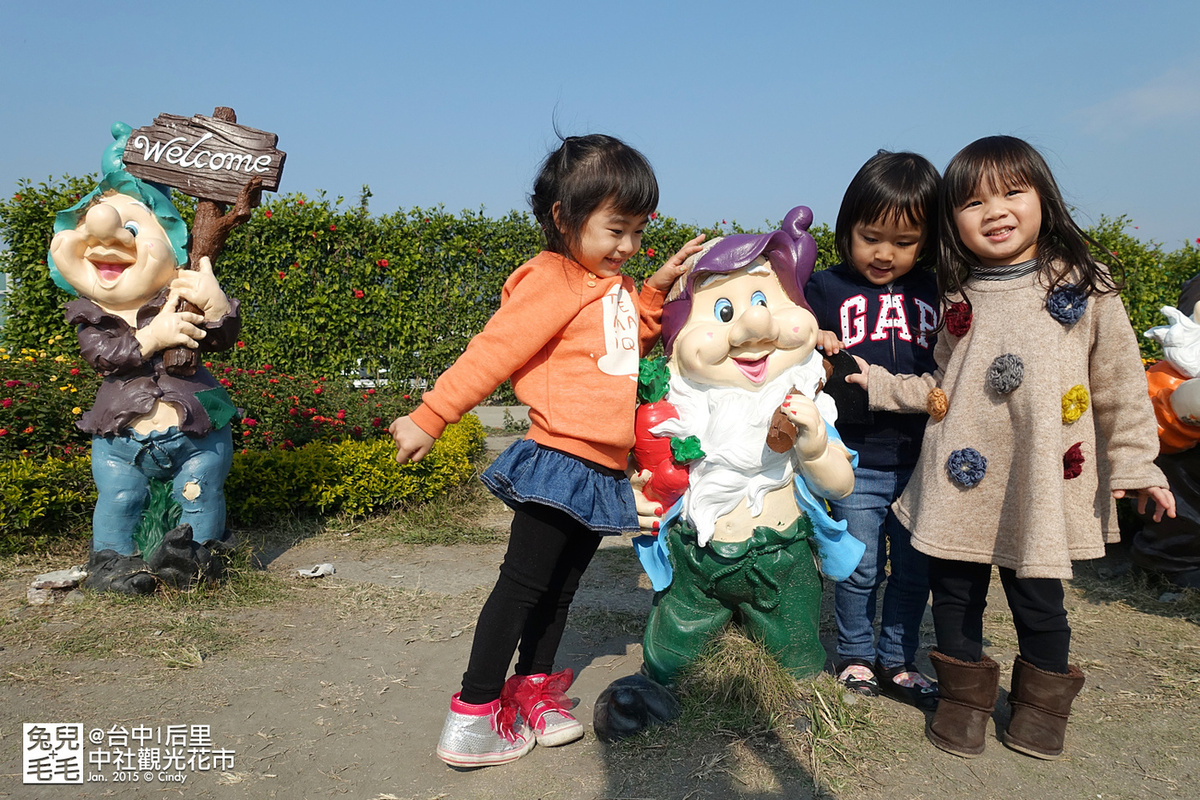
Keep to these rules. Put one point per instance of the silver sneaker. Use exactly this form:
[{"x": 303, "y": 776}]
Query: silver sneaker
[{"x": 482, "y": 736}]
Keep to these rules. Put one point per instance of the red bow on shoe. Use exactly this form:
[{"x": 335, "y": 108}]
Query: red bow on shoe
[{"x": 524, "y": 693}]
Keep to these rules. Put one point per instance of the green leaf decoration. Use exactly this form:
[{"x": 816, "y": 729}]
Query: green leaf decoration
[
  {"x": 654, "y": 378},
  {"x": 685, "y": 450}
]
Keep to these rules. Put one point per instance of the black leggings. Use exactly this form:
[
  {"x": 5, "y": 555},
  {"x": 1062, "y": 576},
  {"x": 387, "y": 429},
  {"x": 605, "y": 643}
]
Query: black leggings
[
  {"x": 548, "y": 552},
  {"x": 960, "y": 595}
]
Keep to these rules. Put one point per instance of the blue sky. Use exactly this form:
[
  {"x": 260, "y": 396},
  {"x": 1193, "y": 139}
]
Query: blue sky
[{"x": 744, "y": 111}]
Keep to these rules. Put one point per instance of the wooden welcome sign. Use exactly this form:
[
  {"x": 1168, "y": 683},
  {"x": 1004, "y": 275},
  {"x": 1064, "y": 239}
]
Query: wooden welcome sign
[{"x": 204, "y": 156}]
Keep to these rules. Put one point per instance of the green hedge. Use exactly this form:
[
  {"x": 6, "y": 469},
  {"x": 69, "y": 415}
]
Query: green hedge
[
  {"x": 46, "y": 498},
  {"x": 406, "y": 291}
]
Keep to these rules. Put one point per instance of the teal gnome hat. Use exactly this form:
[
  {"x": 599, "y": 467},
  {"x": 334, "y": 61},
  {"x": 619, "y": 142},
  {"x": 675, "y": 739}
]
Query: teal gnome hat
[{"x": 115, "y": 179}]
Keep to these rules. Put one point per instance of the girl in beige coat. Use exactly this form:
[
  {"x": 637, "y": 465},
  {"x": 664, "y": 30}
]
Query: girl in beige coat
[{"x": 1039, "y": 421}]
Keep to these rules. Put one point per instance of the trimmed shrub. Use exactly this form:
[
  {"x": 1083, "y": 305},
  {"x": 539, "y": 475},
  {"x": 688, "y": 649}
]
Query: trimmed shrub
[
  {"x": 47, "y": 498},
  {"x": 41, "y": 498}
]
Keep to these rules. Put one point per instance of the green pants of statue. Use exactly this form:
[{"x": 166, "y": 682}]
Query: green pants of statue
[{"x": 769, "y": 581}]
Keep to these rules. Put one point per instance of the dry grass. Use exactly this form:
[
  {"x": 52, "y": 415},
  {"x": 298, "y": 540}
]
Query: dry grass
[{"x": 748, "y": 720}]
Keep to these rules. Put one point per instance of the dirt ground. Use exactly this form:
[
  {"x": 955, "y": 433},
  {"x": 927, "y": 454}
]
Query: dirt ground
[{"x": 338, "y": 686}]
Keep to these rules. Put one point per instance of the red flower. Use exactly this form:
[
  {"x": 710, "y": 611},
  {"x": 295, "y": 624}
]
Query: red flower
[
  {"x": 17, "y": 197},
  {"x": 282, "y": 274},
  {"x": 11, "y": 384},
  {"x": 653, "y": 215},
  {"x": 267, "y": 213},
  {"x": 292, "y": 411},
  {"x": 245, "y": 433},
  {"x": 370, "y": 391},
  {"x": 74, "y": 370},
  {"x": 650, "y": 252},
  {"x": 408, "y": 397},
  {"x": 340, "y": 414},
  {"x": 6, "y": 402},
  {"x": 249, "y": 422},
  {"x": 3, "y": 431},
  {"x": 383, "y": 262},
  {"x": 358, "y": 293},
  {"x": 375, "y": 422},
  {"x": 300, "y": 202},
  {"x": 317, "y": 390},
  {"x": 28, "y": 430},
  {"x": 1073, "y": 461},
  {"x": 358, "y": 430},
  {"x": 208, "y": 365},
  {"x": 241, "y": 344},
  {"x": 333, "y": 227},
  {"x": 958, "y": 319},
  {"x": 225, "y": 382}
]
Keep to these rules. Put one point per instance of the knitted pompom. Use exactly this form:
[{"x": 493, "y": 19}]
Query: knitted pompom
[
  {"x": 1074, "y": 403},
  {"x": 1067, "y": 304},
  {"x": 1006, "y": 373},
  {"x": 966, "y": 466},
  {"x": 958, "y": 319},
  {"x": 1073, "y": 461},
  {"x": 937, "y": 404}
]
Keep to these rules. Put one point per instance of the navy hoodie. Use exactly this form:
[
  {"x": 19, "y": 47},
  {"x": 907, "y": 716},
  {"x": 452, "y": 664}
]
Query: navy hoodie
[{"x": 892, "y": 326}]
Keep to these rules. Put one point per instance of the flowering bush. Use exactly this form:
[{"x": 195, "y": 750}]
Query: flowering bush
[
  {"x": 41, "y": 396},
  {"x": 284, "y": 411}
]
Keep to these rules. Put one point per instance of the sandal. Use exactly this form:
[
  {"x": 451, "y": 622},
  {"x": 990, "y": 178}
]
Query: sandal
[
  {"x": 858, "y": 676},
  {"x": 912, "y": 687}
]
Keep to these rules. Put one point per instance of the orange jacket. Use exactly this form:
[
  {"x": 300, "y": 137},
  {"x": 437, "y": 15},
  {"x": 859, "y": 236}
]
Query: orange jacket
[
  {"x": 1174, "y": 435},
  {"x": 570, "y": 340}
]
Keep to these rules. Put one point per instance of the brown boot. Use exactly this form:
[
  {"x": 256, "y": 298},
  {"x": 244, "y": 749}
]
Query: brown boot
[
  {"x": 968, "y": 697},
  {"x": 1041, "y": 704}
]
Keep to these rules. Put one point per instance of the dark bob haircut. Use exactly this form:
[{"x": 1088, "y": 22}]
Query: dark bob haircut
[
  {"x": 580, "y": 176},
  {"x": 892, "y": 187},
  {"x": 999, "y": 163}
]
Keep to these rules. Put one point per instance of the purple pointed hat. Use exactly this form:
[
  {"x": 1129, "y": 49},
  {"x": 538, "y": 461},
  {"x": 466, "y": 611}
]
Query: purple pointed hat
[{"x": 792, "y": 252}]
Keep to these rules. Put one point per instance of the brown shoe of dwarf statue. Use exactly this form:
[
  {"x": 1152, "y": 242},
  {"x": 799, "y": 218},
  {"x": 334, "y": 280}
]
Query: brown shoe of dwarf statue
[
  {"x": 968, "y": 697},
  {"x": 1041, "y": 703}
]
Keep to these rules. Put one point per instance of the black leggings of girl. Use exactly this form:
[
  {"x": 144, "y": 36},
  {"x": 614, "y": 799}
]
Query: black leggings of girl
[
  {"x": 960, "y": 595},
  {"x": 548, "y": 552}
]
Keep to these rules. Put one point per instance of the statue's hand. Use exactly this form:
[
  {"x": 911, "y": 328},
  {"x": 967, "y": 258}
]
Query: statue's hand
[
  {"x": 200, "y": 287},
  {"x": 811, "y": 439},
  {"x": 171, "y": 328},
  {"x": 649, "y": 511}
]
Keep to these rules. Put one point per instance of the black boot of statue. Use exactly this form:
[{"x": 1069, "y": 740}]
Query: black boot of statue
[
  {"x": 109, "y": 571},
  {"x": 631, "y": 705},
  {"x": 180, "y": 562}
]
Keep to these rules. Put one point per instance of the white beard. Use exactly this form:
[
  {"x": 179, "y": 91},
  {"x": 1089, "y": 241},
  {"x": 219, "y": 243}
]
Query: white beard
[{"x": 732, "y": 426}]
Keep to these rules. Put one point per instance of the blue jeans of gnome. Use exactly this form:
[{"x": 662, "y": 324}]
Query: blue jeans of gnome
[
  {"x": 869, "y": 518},
  {"x": 122, "y": 467},
  {"x": 770, "y": 581}
]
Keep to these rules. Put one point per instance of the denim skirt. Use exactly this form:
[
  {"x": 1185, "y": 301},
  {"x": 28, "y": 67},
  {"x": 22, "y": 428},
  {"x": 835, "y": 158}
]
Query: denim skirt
[{"x": 598, "y": 498}]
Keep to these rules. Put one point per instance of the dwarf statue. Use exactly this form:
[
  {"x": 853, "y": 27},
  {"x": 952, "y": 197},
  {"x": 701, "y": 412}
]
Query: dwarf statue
[
  {"x": 1171, "y": 546},
  {"x": 121, "y": 249},
  {"x": 755, "y": 432}
]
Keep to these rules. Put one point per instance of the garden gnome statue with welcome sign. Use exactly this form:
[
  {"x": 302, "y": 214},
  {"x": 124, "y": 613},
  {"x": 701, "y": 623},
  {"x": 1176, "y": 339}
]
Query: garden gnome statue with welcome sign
[
  {"x": 123, "y": 250},
  {"x": 752, "y": 430}
]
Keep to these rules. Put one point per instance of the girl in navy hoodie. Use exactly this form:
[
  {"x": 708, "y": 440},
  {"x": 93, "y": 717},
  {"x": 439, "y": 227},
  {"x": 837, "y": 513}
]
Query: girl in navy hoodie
[{"x": 880, "y": 304}]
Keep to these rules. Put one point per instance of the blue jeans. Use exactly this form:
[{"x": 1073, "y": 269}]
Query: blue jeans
[
  {"x": 870, "y": 519},
  {"x": 122, "y": 467}
]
